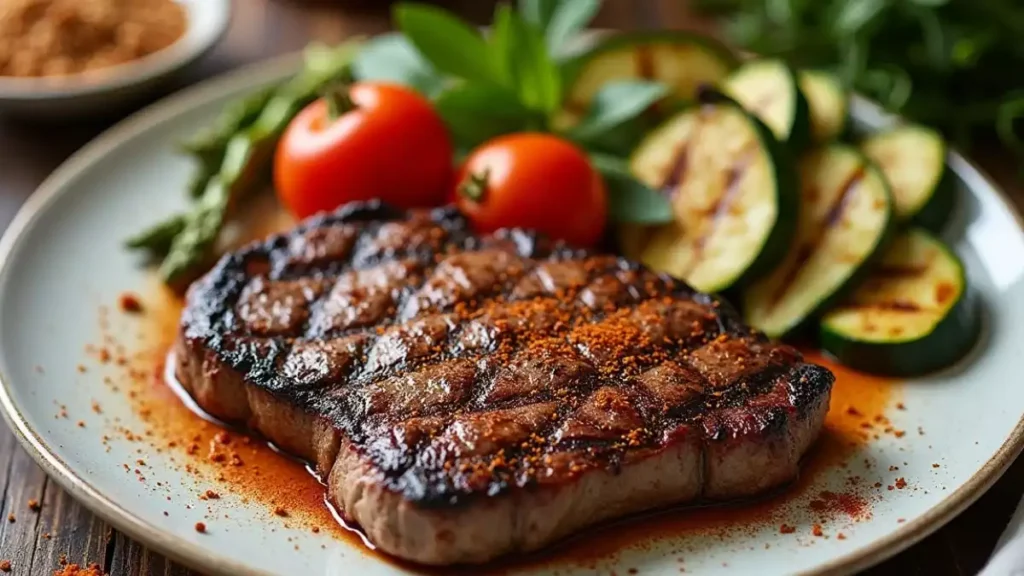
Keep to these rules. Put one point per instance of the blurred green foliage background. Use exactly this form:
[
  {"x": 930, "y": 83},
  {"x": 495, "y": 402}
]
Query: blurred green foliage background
[{"x": 957, "y": 65}]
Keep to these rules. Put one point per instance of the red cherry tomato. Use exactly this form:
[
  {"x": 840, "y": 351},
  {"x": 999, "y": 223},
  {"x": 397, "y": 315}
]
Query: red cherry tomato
[
  {"x": 535, "y": 181},
  {"x": 386, "y": 142}
]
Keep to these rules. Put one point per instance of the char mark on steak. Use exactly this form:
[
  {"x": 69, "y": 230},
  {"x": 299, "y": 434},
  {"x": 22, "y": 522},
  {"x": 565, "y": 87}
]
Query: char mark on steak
[{"x": 448, "y": 384}]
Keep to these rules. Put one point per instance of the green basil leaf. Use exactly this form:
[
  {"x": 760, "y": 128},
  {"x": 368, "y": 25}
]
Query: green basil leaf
[
  {"x": 538, "y": 12},
  {"x": 569, "y": 17},
  {"x": 615, "y": 104},
  {"x": 448, "y": 43},
  {"x": 629, "y": 200},
  {"x": 502, "y": 43},
  {"x": 623, "y": 139},
  {"x": 475, "y": 113},
  {"x": 535, "y": 74},
  {"x": 391, "y": 58}
]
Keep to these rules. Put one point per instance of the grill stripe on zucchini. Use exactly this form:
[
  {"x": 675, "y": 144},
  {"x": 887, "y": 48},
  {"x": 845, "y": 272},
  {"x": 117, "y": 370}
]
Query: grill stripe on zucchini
[
  {"x": 845, "y": 219},
  {"x": 913, "y": 159},
  {"x": 912, "y": 315},
  {"x": 769, "y": 90},
  {"x": 733, "y": 191}
]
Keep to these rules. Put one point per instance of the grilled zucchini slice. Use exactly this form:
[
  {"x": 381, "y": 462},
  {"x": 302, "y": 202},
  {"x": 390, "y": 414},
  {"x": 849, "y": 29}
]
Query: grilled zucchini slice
[
  {"x": 682, "y": 61},
  {"x": 913, "y": 159},
  {"x": 845, "y": 220},
  {"x": 914, "y": 314},
  {"x": 733, "y": 190},
  {"x": 769, "y": 89},
  {"x": 827, "y": 103}
]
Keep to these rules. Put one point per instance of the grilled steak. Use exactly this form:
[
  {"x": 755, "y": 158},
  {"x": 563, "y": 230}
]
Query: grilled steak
[{"x": 465, "y": 397}]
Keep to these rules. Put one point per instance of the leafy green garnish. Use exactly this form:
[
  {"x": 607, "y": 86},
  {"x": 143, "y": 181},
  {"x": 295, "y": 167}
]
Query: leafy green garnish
[
  {"x": 392, "y": 58},
  {"x": 448, "y": 43},
  {"x": 476, "y": 113},
  {"x": 565, "y": 20},
  {"x": 534, "y": 73},
  {"x": 538, "y": 12},
  {"x": 615, "y": 104}
]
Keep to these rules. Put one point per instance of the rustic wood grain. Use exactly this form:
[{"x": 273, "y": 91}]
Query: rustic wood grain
[
  {"x": 37, "y": 542},
  {"x": 130, "y": 557},
  {"x": 67, "y": 530}
]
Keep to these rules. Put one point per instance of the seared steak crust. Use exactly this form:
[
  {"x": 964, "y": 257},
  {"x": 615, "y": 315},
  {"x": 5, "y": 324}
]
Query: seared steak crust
[{"x": 429, "y": 373}]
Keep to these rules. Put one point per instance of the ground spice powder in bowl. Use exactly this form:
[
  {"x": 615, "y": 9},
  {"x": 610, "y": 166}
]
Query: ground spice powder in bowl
[{"x": 67, "y": 37}]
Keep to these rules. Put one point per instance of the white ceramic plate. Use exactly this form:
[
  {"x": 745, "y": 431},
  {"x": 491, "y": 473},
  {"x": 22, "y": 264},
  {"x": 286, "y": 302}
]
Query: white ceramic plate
[
  {"x": 111, "y": 87},
  {"x": 62, "y": 258}
]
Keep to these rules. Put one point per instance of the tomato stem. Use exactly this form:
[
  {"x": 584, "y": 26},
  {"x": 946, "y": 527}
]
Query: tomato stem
[
  {"x": 474, "y": 186},
  {"x": 338, "y": 101}
]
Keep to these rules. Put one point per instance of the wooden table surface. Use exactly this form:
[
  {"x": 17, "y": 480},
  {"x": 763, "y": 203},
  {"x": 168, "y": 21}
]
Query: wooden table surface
[{"x": 36, "y": 541}]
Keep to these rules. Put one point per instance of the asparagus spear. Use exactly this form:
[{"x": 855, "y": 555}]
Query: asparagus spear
[
  {"x": 157, "y": 238},
  {"x": 208, "y": 146},
  {"x": 212, "y": 140},
  {"x": 246, "y": 159}
]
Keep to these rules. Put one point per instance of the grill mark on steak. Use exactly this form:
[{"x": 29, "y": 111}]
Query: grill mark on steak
[{"x": 496, "y": 366}]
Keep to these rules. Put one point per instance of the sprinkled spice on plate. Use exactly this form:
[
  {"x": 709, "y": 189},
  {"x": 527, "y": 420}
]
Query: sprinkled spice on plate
[
  {"x": 129, "y": 302},
  {"x": 831, "y": 502}
]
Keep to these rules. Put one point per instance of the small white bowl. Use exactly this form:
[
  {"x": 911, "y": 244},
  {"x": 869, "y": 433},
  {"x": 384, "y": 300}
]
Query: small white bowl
[{"x": 109, "y": 88}]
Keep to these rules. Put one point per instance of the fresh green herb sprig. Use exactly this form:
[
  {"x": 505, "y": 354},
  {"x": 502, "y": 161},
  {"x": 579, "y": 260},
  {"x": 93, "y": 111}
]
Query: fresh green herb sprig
[
  {"x": 514, "y": 78},
  {"x": 952, "y": 64}
]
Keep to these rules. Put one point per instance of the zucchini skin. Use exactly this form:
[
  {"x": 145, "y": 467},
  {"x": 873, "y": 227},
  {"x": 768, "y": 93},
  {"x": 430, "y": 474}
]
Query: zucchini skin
[
  {"x": 800, "y": 134},
  {"x": 938, "y": 210},
  {"x": 951, "y": 339}
]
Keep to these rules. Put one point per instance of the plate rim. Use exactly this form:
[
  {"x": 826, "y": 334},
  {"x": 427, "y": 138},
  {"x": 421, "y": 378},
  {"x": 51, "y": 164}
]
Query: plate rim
[{"x": 193, "y": 555}]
